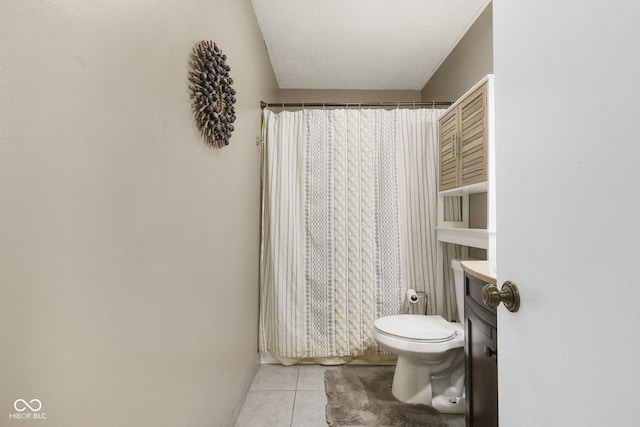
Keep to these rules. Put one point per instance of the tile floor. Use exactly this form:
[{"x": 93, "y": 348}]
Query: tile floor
[
  {"x": 289, "y": 396},
  {"x": 286, "y": 396}
]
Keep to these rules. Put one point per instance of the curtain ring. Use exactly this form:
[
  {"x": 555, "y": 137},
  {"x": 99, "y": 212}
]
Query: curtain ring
[
  {"x": 359, "y": 105},
  {"x": 323, "y": 106},
  {"x": 414, "y": 104},
  {"x": 398, "y": 105},
  {"x": 433, "y": 104},
  {"x": 303, "y": 105}
]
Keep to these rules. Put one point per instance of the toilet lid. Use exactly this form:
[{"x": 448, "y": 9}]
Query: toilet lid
[{"x": 416, "y": 327}]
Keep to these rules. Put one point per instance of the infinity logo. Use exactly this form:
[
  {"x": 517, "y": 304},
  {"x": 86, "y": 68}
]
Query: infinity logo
[{"x": 26, "y": 405}]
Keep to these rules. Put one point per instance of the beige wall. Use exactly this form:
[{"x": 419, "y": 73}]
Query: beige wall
[
  {"x": 128, "y": 248},
  {"x": 470, "y": 61}
]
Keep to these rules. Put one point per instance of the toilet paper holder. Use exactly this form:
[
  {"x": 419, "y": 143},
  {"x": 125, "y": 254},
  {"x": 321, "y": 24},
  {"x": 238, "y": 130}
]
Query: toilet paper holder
[{"x": 416, "y": 302}]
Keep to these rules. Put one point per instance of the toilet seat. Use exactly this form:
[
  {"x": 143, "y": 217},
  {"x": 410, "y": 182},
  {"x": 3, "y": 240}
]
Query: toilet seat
[{"x": 417, "y": 328}]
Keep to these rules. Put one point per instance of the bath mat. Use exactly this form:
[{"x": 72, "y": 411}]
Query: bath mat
[{"x": 361, "y": 396}]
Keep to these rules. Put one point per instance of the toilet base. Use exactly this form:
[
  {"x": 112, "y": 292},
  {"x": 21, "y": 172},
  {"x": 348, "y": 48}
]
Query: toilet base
[{"x": 412, "y": 381}]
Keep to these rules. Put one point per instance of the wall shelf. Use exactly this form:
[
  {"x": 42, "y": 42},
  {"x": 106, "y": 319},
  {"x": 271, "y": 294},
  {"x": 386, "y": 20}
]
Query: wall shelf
[
  {"x": 458, "y": 232},
  {"x": 474, "y": 237},
  {"x": 481, "y": 187}
]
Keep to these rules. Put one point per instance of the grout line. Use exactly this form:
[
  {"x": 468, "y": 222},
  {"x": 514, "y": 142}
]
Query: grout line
[
  {"x": 298, "y": 378},
  {"x": 293, "y": 408},
  {"x": 295, "y": 395}
]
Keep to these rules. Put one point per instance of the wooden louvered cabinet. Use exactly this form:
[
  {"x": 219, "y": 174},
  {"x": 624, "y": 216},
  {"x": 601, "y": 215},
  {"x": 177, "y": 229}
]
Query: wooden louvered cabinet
[
  {"x": 463, "y": 142},
  {"x": 467, "y": 168},
  {"x": 448, "y": 157}
]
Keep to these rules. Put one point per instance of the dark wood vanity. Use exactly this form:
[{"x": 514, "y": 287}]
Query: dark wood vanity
[{"x": 481, "y": 355}]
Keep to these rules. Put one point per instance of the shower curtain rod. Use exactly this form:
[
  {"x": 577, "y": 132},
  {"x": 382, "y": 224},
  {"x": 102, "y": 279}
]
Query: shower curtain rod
[{"x": 264, "y": 105}]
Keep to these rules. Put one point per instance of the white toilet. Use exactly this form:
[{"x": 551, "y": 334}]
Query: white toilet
[{"x": 430, "y": 350}]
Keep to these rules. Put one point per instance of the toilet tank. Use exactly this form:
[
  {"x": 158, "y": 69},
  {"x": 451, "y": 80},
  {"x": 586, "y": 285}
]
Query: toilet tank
[{"x": 458, "y": 278}]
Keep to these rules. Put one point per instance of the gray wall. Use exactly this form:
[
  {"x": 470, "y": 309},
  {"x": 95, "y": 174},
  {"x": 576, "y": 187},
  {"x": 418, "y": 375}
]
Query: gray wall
[
  {"x": 470, "y": 60},
  {"x": 129, "y": 249}
]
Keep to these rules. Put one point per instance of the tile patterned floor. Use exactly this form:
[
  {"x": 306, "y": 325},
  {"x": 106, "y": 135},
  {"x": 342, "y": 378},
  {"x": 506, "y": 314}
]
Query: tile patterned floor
[
  {"x": 289, "y": 396},
  {"x": 285, "y": 396}
]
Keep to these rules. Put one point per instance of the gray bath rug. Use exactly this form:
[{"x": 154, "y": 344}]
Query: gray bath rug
[{"x": 361, "y": 396}]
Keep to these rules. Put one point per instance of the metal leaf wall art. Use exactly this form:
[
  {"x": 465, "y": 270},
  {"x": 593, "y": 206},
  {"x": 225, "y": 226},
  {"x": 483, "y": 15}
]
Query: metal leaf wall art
[{"x": 211, "y": 93}]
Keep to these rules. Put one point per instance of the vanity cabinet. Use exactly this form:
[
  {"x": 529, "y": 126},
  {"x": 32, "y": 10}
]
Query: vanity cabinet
[
  {"x": 481, "y": 356},
  {"x": 463, "y": 141}
]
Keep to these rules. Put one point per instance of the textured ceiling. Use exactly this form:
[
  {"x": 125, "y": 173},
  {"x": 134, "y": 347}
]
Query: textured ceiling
[{"x": 361, "y": 44}]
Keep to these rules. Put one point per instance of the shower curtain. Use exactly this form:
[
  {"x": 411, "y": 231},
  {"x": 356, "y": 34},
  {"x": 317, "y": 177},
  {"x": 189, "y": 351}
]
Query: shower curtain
[{"x": 348, "y": 225}]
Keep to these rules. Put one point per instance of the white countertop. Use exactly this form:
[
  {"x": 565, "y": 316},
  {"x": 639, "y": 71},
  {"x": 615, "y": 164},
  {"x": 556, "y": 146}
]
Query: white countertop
[{"x": 483, "y": 270}]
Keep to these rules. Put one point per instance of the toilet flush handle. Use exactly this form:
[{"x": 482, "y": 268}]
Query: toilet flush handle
[{"x": 509, "y": 295}]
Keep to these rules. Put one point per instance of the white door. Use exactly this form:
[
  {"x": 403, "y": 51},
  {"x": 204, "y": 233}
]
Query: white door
[{"x": 567, "y": 80}]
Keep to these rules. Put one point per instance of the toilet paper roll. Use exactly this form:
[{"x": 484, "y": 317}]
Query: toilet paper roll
[{"x": 412, "y": 296}]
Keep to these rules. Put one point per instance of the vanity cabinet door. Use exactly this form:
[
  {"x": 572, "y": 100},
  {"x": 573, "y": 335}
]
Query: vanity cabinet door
[
  {"x": 482, "y": 373},
  {"x": 481, "y": 357}
]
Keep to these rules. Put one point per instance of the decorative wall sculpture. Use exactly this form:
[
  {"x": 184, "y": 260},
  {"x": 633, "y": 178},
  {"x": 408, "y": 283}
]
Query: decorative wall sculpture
[{"x": 211, "y": 93}]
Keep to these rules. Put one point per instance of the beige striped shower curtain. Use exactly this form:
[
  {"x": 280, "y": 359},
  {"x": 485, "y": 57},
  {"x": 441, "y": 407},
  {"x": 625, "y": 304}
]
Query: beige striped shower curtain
[{"x": 348, "y": 225}]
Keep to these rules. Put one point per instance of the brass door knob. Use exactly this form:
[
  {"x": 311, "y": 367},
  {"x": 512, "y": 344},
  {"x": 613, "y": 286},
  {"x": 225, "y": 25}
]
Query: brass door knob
[{"x": 509, "y": 296}]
